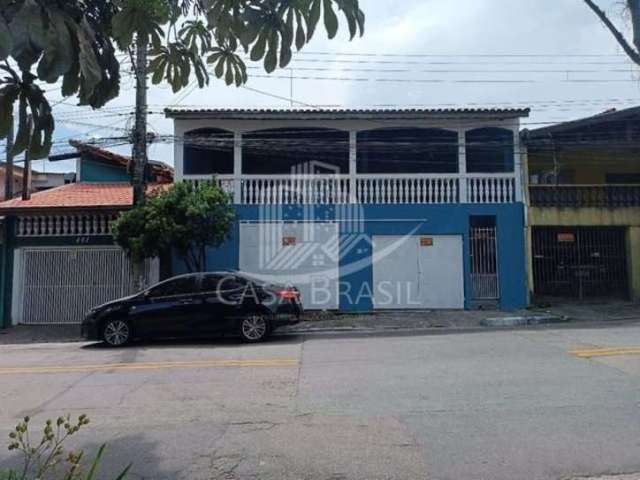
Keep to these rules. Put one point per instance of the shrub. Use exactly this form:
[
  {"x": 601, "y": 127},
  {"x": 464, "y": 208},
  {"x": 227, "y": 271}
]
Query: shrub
[{"x": 47, "y": 458}]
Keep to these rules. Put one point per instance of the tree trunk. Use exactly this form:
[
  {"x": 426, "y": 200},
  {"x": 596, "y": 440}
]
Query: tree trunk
[
  {"x": 8, "y": 171},
  {"x": 140, "y": 130},
  {"x": 26, "y": 172}
]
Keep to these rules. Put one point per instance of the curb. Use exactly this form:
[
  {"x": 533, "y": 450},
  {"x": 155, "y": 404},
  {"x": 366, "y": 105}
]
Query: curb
[
  {"x": 535, "y": 323},
  {"x": 523, "y": 321}
]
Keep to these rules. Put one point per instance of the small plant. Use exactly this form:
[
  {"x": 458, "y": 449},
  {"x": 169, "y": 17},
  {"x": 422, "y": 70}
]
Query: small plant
[{"x": 48, "y": 459}]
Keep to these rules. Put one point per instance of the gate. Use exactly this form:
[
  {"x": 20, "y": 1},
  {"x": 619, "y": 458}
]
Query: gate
[
  {"x": 580, "y": 262},
  {"x": 484, "y": 264},
  {"x": 60, "y": 285}
]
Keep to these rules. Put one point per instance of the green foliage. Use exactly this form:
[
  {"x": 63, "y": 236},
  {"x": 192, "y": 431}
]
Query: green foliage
[
  {"x": 47, "y": 41},
  {"x": 47, "y": 459},
  {"x": 76, "y": 41},
  {"x": 186, "y": 218}
]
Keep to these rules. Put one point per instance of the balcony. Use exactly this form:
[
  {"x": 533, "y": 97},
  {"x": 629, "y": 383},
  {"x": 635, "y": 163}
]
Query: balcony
[
  {"x": 368, "y": 188},
  {"x": 582, "y": 196}
]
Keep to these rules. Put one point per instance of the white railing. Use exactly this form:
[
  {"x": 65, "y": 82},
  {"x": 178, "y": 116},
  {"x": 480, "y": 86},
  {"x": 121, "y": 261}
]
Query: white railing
[
  {"x": 226, "y": 182},
  {"x": 407, "y": 188},
  {"x": 89, "y": 224},
  {"x": 294, "y": 189},
  {"x": 368, "y": 188},
  {"x": 491, "y": 188}
]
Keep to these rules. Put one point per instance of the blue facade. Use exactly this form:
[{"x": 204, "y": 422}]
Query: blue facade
[{"x": 403, "y": 219}]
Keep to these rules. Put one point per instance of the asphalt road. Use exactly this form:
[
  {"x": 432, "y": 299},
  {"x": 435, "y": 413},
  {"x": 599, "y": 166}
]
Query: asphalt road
[{"x": 535, "y": 404}]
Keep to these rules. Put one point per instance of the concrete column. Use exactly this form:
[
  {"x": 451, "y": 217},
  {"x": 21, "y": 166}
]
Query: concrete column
[
  {"x": 462, "y": 164},
  {"x": 237, "y": 168},
  {"x": 353, "y": 168},
  {"x": 178, "y": 151},
  {"x": 518, "y": 164},
  {"x": 633, "y": 259}
]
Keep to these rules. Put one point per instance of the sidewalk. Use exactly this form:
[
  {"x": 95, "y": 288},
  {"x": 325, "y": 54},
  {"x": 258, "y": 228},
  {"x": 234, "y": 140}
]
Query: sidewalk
[
  {"x": 613, "y": 312},
  {"x": 427, "y": 320}
]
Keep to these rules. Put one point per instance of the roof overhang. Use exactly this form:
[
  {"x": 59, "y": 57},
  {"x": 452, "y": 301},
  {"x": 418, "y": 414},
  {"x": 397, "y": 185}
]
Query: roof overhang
[
  {"x": 628, "y": 114},
  {"x": 344, "y": 114}
]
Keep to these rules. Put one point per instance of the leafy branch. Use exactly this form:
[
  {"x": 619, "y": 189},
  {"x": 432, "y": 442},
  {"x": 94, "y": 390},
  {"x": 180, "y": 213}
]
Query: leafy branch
[{"x": 76, "y": 41}]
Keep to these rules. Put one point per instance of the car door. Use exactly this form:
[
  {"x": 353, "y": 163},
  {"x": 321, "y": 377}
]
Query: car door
[
  {"x": 221, "y": 305},
  {"x": 168, "y": 308}
]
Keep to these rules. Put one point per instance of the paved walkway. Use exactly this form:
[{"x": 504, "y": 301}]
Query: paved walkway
[{"x": 383, "y": 321}]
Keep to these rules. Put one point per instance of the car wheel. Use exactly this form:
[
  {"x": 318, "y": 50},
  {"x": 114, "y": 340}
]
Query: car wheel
[
  {"x": 254, "y": 328},
  {"x": 116, "y": 333}
]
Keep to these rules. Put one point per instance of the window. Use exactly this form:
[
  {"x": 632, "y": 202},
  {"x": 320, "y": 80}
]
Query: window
[
  {"x": 216, "y": 283},
  {"x": 177, "y": 286},
  {"x": 295, "y": 150},
  {"x": 490, "y": 150},
  {"x": 407, "y": 150},
  {"x": 208, "y": 151}
]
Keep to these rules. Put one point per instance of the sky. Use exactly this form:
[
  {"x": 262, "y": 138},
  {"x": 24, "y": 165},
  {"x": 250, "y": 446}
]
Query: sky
[{"x": 551, "y": 55}]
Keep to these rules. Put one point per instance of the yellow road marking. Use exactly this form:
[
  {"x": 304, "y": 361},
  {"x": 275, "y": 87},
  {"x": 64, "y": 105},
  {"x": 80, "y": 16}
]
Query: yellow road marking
[
  {"x": 604, "y": 351},
  {"x": 272, "y": 362}
]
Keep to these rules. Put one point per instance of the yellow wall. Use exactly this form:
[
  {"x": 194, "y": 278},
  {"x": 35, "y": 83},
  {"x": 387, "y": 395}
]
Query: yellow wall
[
  {"x": 584, "y": 217},
  {"x": 588, "y": 167},
  {"x": 633, "y": 249}
]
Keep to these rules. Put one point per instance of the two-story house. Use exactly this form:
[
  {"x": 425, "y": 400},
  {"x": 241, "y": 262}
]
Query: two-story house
[
  {"x": 584, "y": 207},
  {"x": 368, "y": 209},
  {"x": 58, "y": 258}
]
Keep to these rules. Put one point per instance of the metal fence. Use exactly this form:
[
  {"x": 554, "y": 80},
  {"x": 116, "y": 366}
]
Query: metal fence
[
  {"x": 60, "y": 285},
  {"x": 484, "y": 265},
  {"x": 580, "y": 262}
]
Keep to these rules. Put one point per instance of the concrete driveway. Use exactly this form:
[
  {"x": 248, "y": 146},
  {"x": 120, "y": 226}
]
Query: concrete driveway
[{"x": 537, "y": 404}]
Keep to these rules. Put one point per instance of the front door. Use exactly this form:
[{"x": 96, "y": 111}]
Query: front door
[{"x": 417, "y": 272}]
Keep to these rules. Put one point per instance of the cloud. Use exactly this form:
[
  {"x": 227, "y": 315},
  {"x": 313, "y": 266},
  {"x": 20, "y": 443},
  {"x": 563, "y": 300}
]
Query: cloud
[{"x": 451, "y": 29}]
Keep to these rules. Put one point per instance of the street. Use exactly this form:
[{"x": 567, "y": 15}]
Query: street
[{"x": 521, "y": 404}]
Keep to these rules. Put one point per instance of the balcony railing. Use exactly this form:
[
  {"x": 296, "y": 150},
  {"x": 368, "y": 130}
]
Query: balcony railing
[
  {"x": 368, "y": 189},
  {"x": 611, "y": 196}
]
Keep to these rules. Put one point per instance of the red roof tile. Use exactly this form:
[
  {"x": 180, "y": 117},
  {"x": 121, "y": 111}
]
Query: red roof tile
[{"x": 76, "y": 195}]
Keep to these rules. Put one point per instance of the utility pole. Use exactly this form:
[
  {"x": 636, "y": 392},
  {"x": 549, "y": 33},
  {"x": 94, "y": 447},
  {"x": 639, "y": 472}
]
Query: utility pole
[
  {"x": 8, "y": 166},
  {"x": 26, "y": 173},
  {"x": 140, "y": 129}
]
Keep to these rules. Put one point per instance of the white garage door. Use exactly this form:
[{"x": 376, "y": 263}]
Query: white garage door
[
  {"x": 418, "y": 272},
  {"x": 302, "y": 254},
  {"x": 59, "y": 285}
]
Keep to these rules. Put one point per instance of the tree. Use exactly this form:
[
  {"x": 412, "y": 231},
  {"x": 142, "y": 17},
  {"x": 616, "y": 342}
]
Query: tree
[
  {"x": 186, "y": 218},
  {"x": 632, "y": 49},
  {"x": 77, "y": 41}
]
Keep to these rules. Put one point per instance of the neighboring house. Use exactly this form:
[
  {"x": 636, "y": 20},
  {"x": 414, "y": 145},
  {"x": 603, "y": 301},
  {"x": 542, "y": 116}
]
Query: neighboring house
[
  {"x": 58, "y": 257},
  {"x": 39, "y": 180},
  {"x": 368, "y": 209},
  {"x": 584, "y": 215}
]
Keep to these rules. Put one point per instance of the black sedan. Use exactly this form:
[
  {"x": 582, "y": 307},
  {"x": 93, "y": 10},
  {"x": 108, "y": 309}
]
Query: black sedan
[{"x": 196, "y": 305}]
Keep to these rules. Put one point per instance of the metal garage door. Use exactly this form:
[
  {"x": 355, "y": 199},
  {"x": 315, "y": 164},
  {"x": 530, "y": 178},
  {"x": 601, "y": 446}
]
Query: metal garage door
[
  {"x": 303, "y": 254},
  {"x": 59, "y": 285},
  {"x": 418, "y": 272},
  {"x": 580, "y": 262}
]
